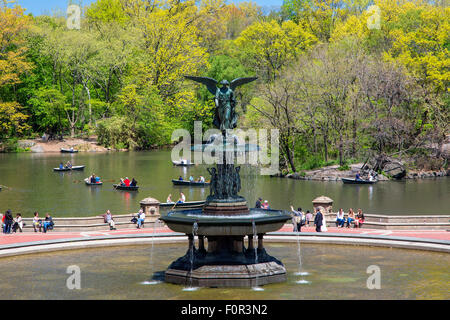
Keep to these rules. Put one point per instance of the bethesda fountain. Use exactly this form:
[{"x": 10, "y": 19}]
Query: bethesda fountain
[{"x": 222, "y": 258}]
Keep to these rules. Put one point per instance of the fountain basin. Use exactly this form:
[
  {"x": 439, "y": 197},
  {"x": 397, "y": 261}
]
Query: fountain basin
[{"x": 226, "y": 225}]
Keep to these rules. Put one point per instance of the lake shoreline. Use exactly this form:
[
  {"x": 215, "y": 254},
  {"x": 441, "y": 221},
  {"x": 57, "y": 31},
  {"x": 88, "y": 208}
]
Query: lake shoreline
[{"x": 332, "y": 173}]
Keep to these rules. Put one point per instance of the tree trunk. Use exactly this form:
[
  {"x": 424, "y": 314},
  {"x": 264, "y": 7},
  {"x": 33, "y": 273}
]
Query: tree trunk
[
  {"x": 354, "y": 139},
  {"x": 325, "y": 146}
]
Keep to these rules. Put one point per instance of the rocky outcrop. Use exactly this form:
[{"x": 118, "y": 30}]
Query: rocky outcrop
[
  {"x": 427, "y": 174},
  {"x": 331, "y": 173},
  {"x": 445, "y": 148},
  {"x": 390, "y": 167}
]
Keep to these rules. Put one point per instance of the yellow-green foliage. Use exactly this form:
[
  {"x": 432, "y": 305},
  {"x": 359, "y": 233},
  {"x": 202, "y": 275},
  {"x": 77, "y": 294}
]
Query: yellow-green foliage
[
  {"x": 268, "y": 46},
  {"x": 414, "y": 34}
]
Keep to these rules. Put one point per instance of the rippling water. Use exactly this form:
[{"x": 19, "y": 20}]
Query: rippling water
[{"x": 333, "y": 272}]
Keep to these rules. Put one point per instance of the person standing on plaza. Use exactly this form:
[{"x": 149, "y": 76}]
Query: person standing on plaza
[
  {"x": 299, "y": 219},
  {"x": 309, "y": 217},
  {"x": 318, "y": 220},
  {"x": 324, "y": 228},
  {"x": 8, "y": 222}
]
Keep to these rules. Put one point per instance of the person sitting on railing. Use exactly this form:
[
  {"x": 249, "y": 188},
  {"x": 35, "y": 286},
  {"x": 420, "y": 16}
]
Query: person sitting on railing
[
  {"x": 350, "y": 217},
  {"x": 37, "y": 223},
  {"x": 48, "y": 223},
  {"x": 340, "y": 219},
  {"x": 109, "y": 220},
  {"x": 18, "y": 223},
  {"x": 140, "y": 218},
  {"x": 359, "y": 220}
]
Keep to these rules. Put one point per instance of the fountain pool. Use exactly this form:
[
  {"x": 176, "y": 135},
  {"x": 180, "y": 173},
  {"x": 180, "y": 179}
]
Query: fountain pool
[{"x": 333, "y": 272}]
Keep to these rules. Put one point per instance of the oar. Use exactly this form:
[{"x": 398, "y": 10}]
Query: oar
[{"x": 174, "y": 206}]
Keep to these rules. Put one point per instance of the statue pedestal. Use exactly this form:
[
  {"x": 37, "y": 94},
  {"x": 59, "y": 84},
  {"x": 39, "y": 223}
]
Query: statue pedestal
[
  {"x": 229, "y": 275},
  {"x": 227, "y": 207}
]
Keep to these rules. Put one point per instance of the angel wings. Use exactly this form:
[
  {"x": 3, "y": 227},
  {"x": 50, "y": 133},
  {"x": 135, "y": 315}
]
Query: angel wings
[{"x": 211, "y": 83}]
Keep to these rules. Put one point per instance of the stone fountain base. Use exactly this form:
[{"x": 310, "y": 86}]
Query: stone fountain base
[
  {"x": 229, "y": 275},
  {"x": 237, "y": 206},
  {"x": 226, "y": 267}
]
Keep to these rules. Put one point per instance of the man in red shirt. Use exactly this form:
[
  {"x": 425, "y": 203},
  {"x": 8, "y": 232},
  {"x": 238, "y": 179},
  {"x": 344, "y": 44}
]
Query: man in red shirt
[{"x": 127, "y": 182}]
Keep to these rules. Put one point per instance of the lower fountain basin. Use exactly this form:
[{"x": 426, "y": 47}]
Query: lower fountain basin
[{"x": 237, "y": 225}]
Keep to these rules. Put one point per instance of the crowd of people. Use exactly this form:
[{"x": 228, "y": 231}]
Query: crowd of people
[
  {"x": 12, "y": 225},
  {"x": 300, "y": 219},
  {"x": 127, "y": 182},
  {"x": 200, "y": 179}
]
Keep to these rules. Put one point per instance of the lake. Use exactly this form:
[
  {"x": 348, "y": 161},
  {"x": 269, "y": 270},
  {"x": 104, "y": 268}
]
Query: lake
[{"x": 31, "y": 185}]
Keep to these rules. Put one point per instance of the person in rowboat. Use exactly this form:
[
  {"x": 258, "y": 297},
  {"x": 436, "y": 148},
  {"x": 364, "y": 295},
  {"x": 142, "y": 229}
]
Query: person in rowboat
[{"x": 182, "y": 198}]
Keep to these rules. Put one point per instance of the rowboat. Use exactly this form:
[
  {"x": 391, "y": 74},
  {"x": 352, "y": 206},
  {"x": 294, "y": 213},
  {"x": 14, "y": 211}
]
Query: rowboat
[
  {"x": 68, "y": 150},
  {"x": 183, "y": 163},
  {"x": 184, "y": 205},
  {"x": 74, "y": 168},
  {"x": 92, "y": 184},
  {"x": 189, "y": 183},
  {"x": 130, "y": 188},
  {"x": 354, "y": 181}
]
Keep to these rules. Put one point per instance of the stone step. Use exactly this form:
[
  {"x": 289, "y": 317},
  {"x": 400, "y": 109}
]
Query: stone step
[{"x": 65, "y": 225}]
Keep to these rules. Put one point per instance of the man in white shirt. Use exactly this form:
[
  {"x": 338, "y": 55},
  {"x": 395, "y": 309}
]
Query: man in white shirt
[{"x": 182, "y": 198}]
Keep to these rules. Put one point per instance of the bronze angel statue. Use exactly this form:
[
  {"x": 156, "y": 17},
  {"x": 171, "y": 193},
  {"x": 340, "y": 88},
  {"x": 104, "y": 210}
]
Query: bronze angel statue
[{"x": 225, "y": 116}]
